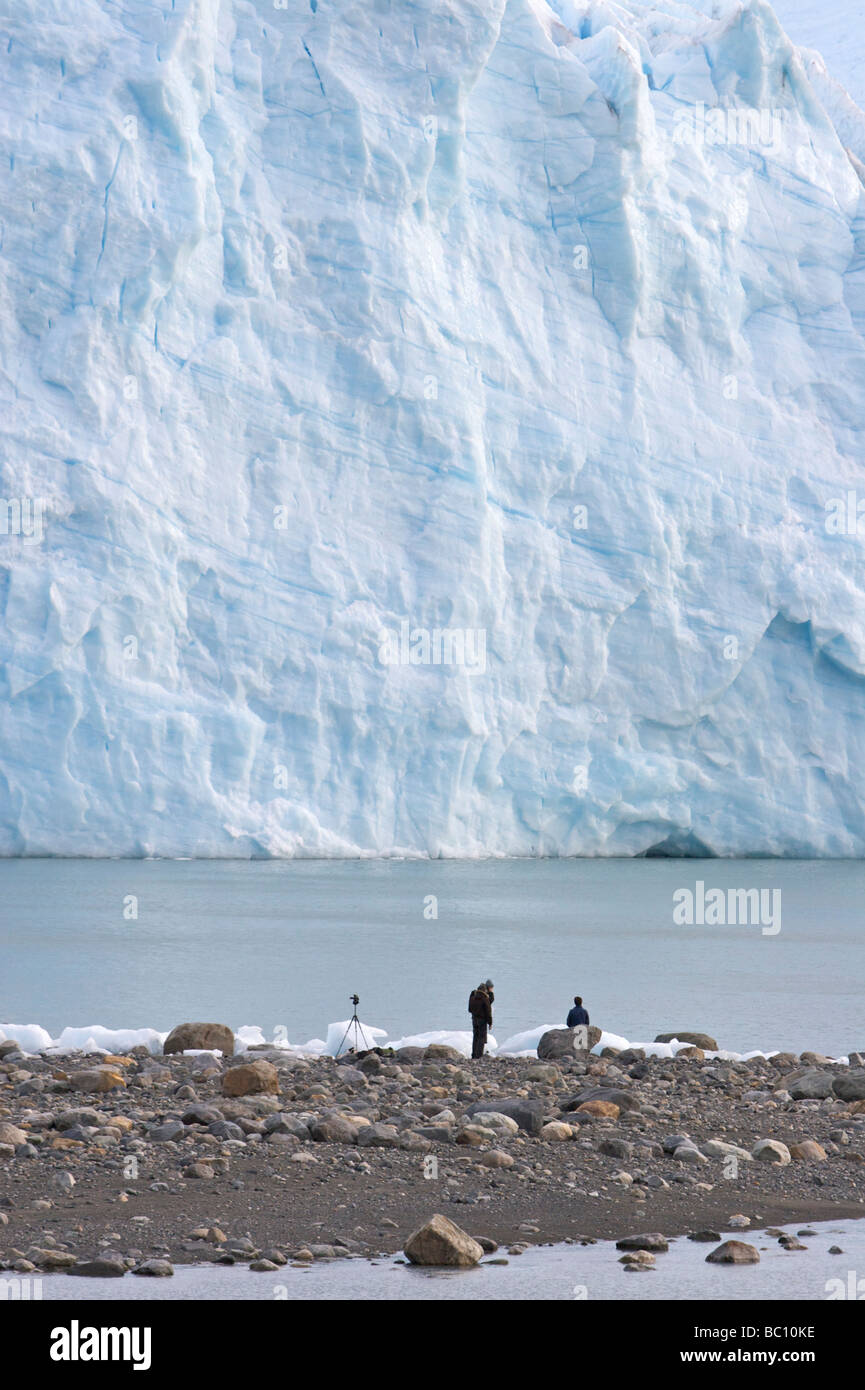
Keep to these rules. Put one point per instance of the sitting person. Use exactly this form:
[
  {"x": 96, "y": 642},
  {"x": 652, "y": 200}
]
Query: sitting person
[{"x": 578, "y": 1014}]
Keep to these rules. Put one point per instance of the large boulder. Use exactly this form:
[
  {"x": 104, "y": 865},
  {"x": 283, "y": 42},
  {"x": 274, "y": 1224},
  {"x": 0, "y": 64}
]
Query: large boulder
[
  {"x": 809, "y": 1151},
  {"x": 154, "y": 1269},
  {"x": 84, "y": 1115},
  {"x": 251, "y": 1078},
  {"x": 441, "y": 1052},
  {"x": 771, "y": 1151},
  {"x": 734, "y": 1252},
  {"x": 556, "y": 1131},
  {"x": 11, "y": 1134},
  {"x": 378, "y": 1136},
  {"x": 168, "y": 1132},
  {"x": 103, "y": 1267},
  {"x": 351, "y": 1076},
  {"x": 783, "y": 1061},
  {"x": 695, "y": 1039},
  {"x": 567, "y": 1042},
  {"x": 545, "y": 1072},
  {"x": 720, "y": 1148},
  {"x": 286, "y": 1124},
  {"x": 529, "y": 1114},
  {"x": 810, "y": 1085},
  {"x": 850, "y": 1085},
  {"x": 440, "y": 1242},
  {"x": 496, "y": 1158},
  {"x": 334, "y": 1129},
  {"x": 495, "y": 1120},
  {"x": 475, "y": 1136},
  {"x": 623, "y": 1099},
  {"x": 648, "y": 1240},
  {"x": 597, "y": 1110},
  {"x": 97, "y": 1079},
  {"x": 200, "y": 1037},
  {"x": 201, "y": 1115}
]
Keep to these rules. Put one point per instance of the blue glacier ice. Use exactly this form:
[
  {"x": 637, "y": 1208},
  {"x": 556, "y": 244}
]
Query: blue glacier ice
[{"x": 324, "y": 321}]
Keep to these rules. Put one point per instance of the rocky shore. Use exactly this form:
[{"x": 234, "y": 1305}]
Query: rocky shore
[{"x": 140, "y": 1162}]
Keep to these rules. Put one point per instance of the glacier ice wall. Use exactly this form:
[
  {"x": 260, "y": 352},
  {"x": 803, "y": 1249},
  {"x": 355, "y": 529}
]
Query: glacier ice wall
[{"x": 327, "y": 321}]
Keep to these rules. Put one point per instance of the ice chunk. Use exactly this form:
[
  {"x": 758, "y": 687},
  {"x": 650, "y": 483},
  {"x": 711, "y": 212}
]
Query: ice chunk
[
  {"x": 349, "y": 1037},
  {"x": 33, "y": 1038},
  {"x": 29, "y": 1036}
]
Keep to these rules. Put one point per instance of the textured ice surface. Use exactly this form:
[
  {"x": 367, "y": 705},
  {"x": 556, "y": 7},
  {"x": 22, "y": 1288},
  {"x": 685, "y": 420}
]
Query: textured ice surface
[
  {"x": 836, "y": 30},
  {"x": 320, "y": 319}
]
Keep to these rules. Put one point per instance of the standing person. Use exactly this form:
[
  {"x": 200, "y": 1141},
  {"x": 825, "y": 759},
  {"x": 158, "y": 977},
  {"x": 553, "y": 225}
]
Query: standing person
[
  {"x": 578, "y": 1014},
  {"x": 481, "y": 1011}
]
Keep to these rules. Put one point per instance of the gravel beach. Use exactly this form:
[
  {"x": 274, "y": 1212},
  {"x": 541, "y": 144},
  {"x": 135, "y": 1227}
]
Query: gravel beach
[{"x": 142, "y": 1162}]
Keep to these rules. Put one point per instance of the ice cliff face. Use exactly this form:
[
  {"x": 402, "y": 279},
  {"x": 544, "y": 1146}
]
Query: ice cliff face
[{"x": 431, "y": 428}]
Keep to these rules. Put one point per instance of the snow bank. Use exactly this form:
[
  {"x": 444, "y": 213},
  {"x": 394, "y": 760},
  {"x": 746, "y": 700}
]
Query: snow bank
[
  {"x": 94, "y": 1038},
  {"x": 461, "y": 1040},
  {"x": 34, "y": 1039},
  {"x": 348, "y": 1037}
]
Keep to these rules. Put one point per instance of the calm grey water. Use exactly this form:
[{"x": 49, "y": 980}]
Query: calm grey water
[
  {"x": 554, "y": 1272},
  {"x": 285, "y": 943}
]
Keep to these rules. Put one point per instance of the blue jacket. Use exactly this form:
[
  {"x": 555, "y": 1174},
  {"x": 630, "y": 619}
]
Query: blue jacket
[{"x": 577, "y": 1016}]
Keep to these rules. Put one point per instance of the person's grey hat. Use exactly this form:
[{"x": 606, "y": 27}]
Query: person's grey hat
[{"x": 489, "y": 984}]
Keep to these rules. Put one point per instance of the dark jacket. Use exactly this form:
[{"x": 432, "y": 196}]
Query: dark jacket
[
  {"x": 577, "y": 1016},
  {"x": 480, "y": 1007}
]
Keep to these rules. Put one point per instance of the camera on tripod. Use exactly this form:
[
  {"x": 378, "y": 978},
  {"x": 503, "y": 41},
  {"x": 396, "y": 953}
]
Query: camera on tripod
[{"x": 361, "y": 1042}]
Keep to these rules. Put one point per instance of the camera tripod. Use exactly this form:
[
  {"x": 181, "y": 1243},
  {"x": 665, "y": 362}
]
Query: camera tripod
[{"x": 355, "y": 1023}]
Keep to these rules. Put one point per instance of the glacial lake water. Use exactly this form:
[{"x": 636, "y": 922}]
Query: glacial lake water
[
  {"x": 136, "y": 943},
  {"x": 544, "y": 1272}
]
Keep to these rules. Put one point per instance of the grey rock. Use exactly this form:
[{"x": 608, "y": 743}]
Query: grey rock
[
  {"x": 701, "y": 1040},
  {"x": 103, "y": 1267},
  {"x": 441, "y": 1242},
  {"x": 225, "y": 1129},
  {"x": 529, "y": 1114},
  {"x": 734, "y": 1252},
  {"x": 616, "y": 1148},
  {"x": 850, "y": 1085},
  {"x": 650, "y": 1240},
  {"x": 165, "y": 1133},
  {"x": 625, "y": 1100},
  {"x": 810, "y": 1085},
  {"x": 201, "y": 1115},
  {"x": 351, "y": 1076},
  {"x": 286, "y": 1124},
  {"x": 197, "y": 1170},
  {"x": 567, "y": 1042},
  {"x": 671, "y": 1142},
  {"x": 688, "y": 1153},
  {"x": 771, "y": 1151},
  {"x": 333, "y": 1129},
  {"x": 378, "y": 1136},
  {"x": 82, "y": 1116}
]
